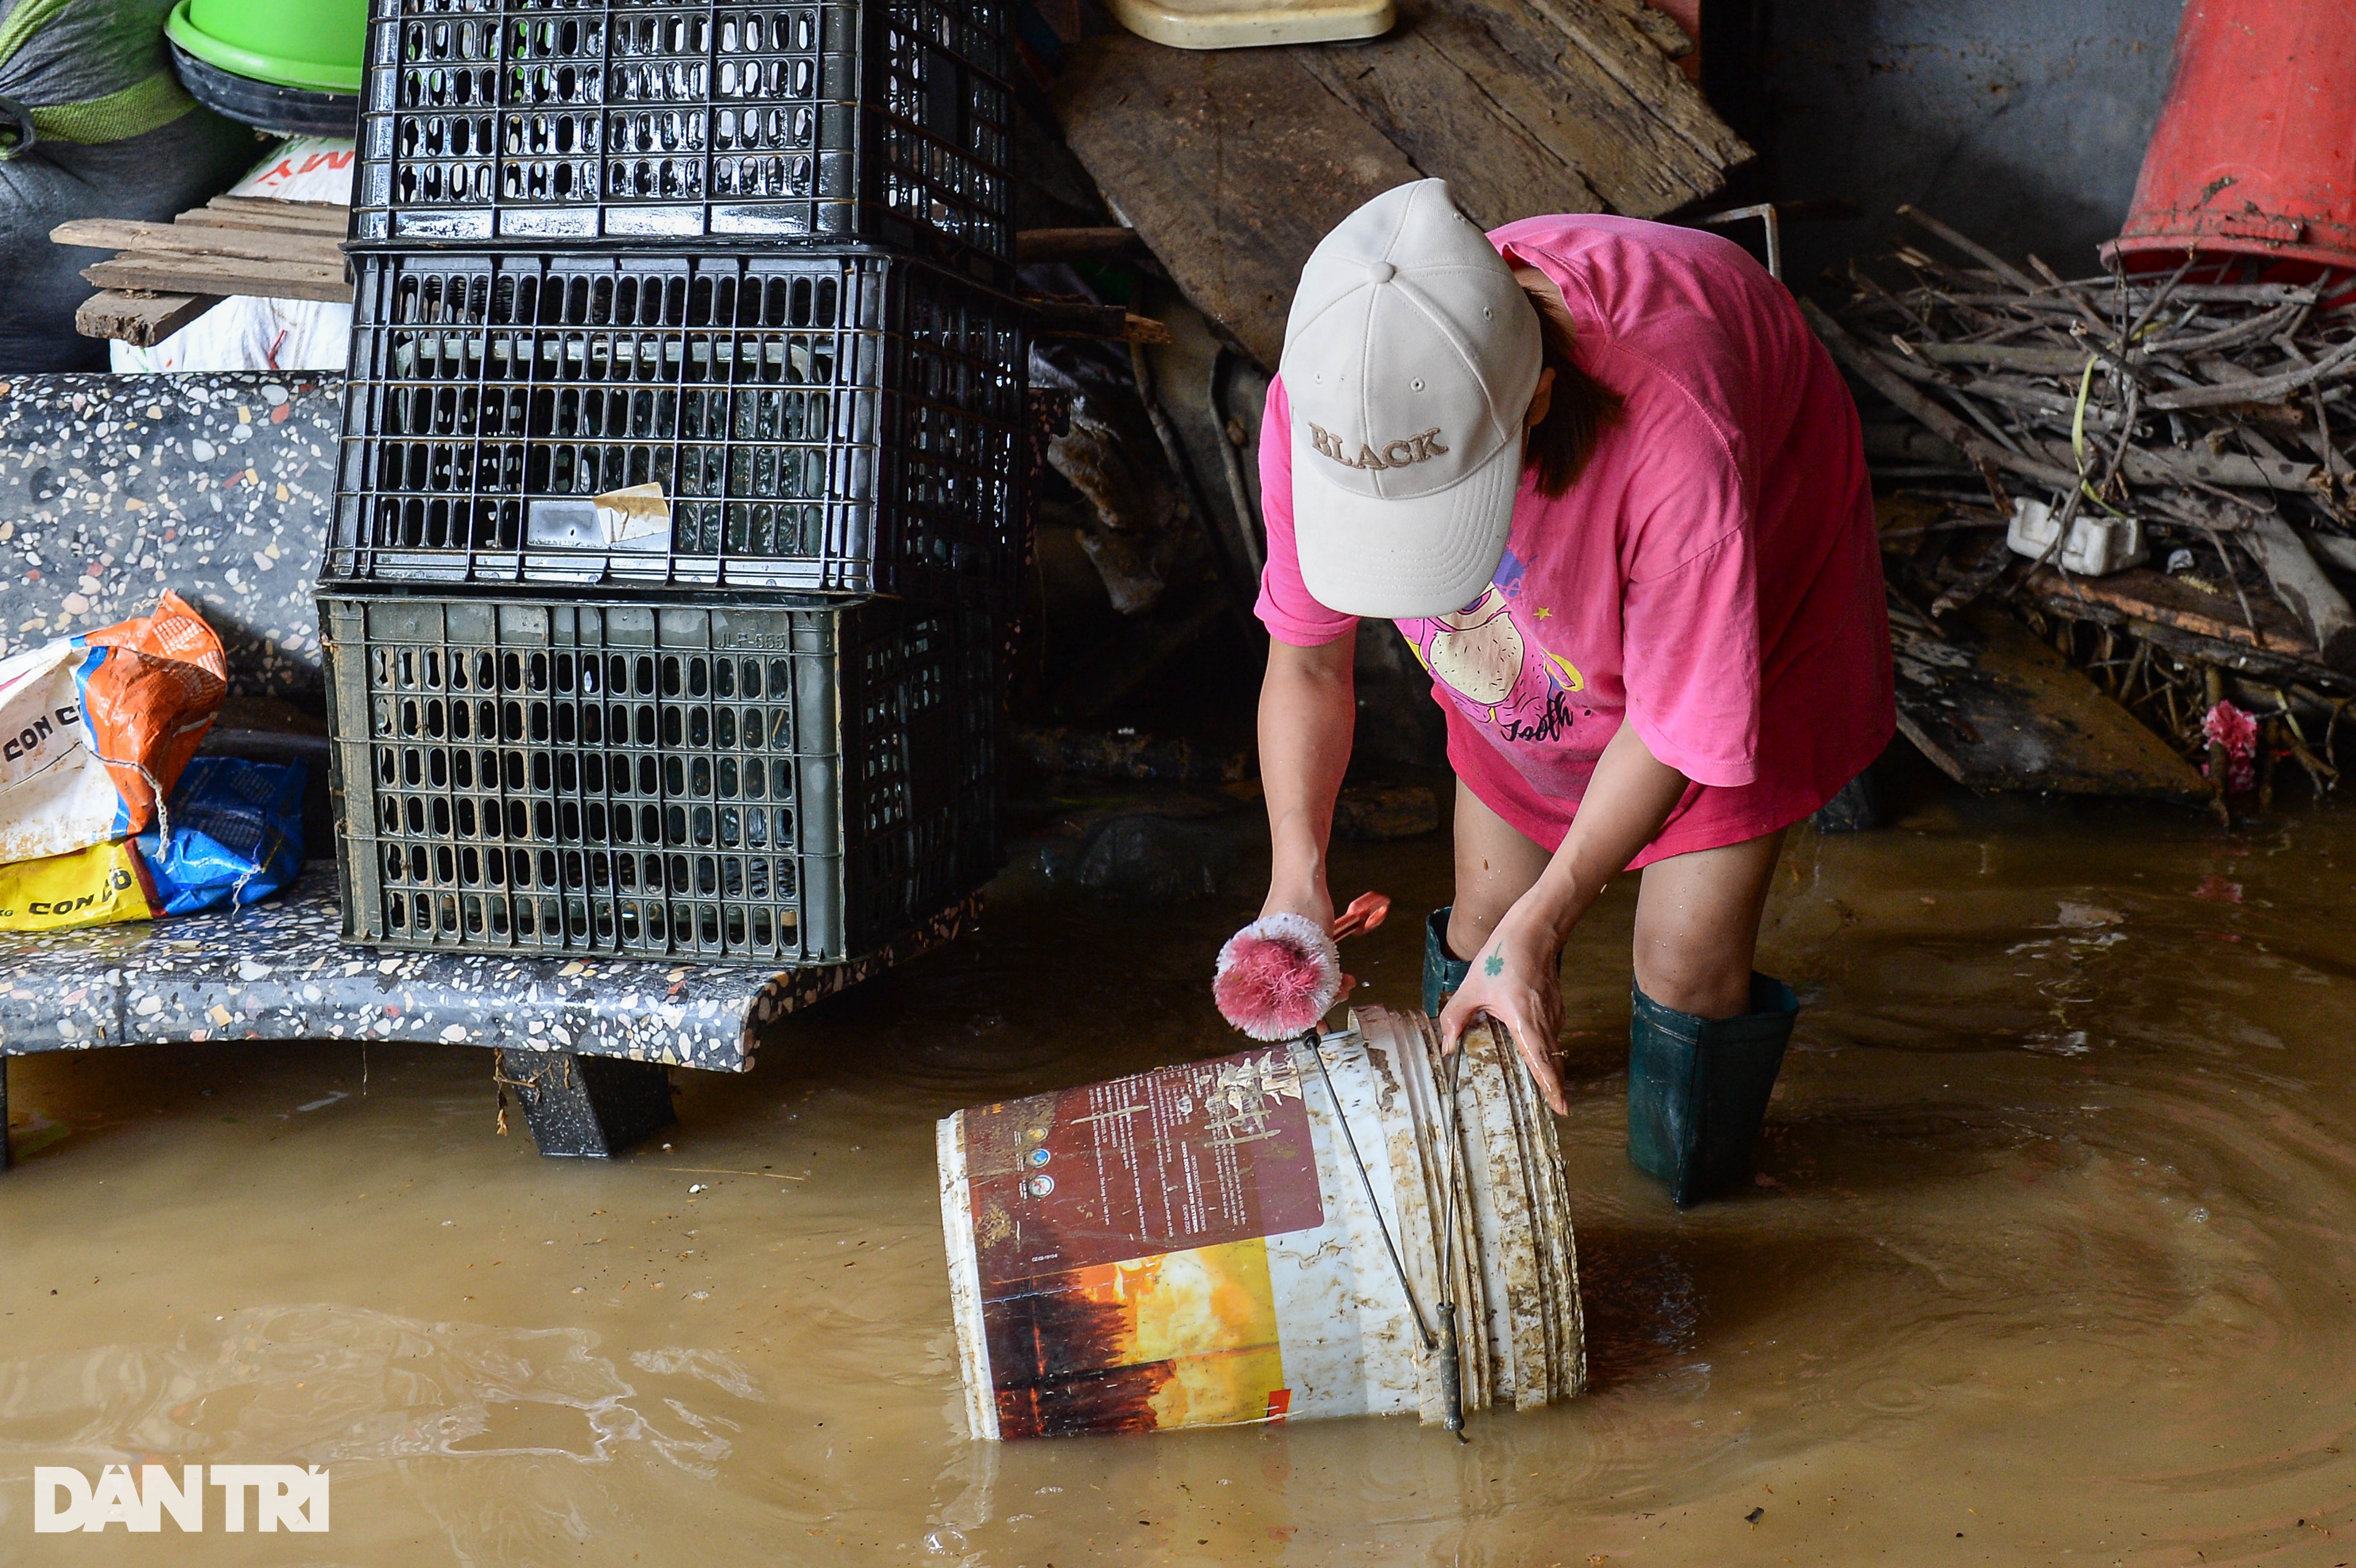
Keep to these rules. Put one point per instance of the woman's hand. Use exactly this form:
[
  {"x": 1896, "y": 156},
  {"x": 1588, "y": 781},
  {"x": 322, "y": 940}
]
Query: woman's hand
[
  {"x": 1516, "y": 977},
  {"x": 1516, "y": 982}
]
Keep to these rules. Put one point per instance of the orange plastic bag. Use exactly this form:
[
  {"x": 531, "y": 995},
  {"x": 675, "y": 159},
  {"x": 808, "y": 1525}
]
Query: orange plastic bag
[{"x": 93, "y": 729}]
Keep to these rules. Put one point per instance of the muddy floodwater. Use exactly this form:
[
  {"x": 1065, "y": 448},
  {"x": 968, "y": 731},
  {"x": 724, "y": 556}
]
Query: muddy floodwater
[{"x": 2049, "y": 1259}]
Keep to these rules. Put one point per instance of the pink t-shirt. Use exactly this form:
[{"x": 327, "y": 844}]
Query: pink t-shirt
[{"x": 1712, "y": 577}]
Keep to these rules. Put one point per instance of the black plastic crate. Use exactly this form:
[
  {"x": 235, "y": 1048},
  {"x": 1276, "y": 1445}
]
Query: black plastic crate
[
  {"x": 809, "y": 422},
  {"x": 550, "y": 122},
  {"x": 716, "y": 782}
]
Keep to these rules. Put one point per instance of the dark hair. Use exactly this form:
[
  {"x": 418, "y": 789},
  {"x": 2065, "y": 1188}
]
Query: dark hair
[{"x": 1580, "y": 410}]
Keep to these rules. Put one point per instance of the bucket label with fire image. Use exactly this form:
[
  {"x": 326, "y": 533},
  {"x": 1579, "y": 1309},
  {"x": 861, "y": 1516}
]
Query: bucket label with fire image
[{"x": 1120, "y": 1231}]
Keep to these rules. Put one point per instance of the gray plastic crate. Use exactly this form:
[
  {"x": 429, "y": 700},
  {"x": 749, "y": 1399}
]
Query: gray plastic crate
[
  {"x": 550, "y": 123},
  {"x": 711, "y": 782},
  {"x": 807, "y": 422}
]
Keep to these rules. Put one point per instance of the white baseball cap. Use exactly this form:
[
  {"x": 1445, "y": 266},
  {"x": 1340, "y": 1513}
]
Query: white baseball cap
[{"x": 1410, "y": 360}]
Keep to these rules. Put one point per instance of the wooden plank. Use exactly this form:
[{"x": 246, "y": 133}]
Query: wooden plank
[
  {"x": 221, "y": 275},
  {"x": 260, "y": 265},
  {"x": 1660, "y": 31},
  {"x": 335, "y": 224},
  {"x": 327, "y": 216},
  {"x": 1996, "y": 710},
  {"x": 206, "y": 217},
  {"x": 174, "y": 239},
  {"x": 1079, "y": 319},
  {"x": 142, "y": 319},
  {"x": 1443, "y": 92},
  {"x": 1072, "y": 244},
  {"x": 2154, "y": 596},
  {"x": 167, "y": 274},
  {"x": 1230, "y": 165},
  {"x": 2193, "y": 648},
  {"x": 1631, "y": 131},
  {"x": 1629, "y": 58}
]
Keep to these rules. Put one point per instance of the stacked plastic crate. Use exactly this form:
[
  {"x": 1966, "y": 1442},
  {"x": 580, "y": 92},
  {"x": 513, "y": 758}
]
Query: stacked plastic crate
[{"x": 681, "y": 486}]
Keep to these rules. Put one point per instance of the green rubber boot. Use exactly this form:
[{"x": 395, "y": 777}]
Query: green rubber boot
[
  {"x": 1697, "y": 1088},
  {"x": 1442, "y": 971}
]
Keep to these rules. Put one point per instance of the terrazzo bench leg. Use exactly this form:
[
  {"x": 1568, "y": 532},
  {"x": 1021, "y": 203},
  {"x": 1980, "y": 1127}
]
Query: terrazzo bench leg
[{"x": 587, "y": 1107}]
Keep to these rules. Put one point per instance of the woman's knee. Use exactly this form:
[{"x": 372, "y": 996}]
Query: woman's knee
[
  {"x": 1497, "y": 863},
  {"x": 1708, "y": 985},
  {"x": 1698, "y": 919}
]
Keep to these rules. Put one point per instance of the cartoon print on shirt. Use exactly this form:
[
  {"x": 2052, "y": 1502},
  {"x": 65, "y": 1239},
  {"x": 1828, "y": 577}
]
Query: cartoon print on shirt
[
  {"x": 1500, "y": 674},
  {"x": 1477, "y": 652}
]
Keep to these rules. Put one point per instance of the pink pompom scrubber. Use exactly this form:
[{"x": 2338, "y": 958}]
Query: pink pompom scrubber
[{"x": 1280, "y": 975}]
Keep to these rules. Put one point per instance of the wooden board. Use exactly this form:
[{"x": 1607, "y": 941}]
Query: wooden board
[
  {"x": 141, "y": 319},
  {"x": 2149, "y": 595},
  {"x": 1995, "y": 708},
  {"x": 165, "y": 275},
  {"x": 1066, "y": 318},
  {"x": 221, "y": 275},
  {"x": 158, "y": 239},
  {"x": 328, "y": 217},
  {"x": 1492, "y": 148},
  {"x": 213, "y": 217},
  {"x": 1072, "y": 244},
  {"x": 2190, "y": 647},
  {"x": 1635, "y": 127},
  {"x": 1232, "y": 166}
]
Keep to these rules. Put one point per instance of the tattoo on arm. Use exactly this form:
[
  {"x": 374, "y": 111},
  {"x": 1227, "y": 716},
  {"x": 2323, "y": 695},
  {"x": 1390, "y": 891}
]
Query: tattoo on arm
[{"x": 1494, "y": 964}]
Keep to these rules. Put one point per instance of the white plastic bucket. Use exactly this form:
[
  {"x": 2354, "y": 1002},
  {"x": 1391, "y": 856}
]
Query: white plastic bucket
[{"x": 1195, "y": 1246}]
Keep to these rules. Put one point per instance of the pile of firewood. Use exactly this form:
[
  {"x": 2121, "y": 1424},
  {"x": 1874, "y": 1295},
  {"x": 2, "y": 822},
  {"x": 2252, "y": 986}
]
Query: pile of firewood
[
  {"x": 2210, "y": 412},
  {"x": 2204, "y": 415}
]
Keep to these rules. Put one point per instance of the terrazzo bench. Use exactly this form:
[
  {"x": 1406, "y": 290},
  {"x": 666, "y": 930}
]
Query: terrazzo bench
[{"x": 115, "y": 488}]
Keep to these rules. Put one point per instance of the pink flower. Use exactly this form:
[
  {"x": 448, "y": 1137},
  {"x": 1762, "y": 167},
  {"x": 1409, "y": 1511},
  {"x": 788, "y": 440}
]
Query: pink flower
[
  {"x": 2237, "y": 732},
  {"x": 2229, "y": 727}
]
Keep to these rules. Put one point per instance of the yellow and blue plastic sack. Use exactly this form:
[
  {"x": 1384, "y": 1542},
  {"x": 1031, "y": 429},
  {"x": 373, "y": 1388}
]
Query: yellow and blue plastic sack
[{"x": 230, "y": 834}]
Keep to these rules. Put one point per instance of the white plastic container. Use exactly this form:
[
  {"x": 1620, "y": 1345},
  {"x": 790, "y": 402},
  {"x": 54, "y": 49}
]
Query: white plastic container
[
  {"x": 2098, "y": 545},
  {"x": 1253, "y": 24},
  {"x": 1195, "y": 1246}
]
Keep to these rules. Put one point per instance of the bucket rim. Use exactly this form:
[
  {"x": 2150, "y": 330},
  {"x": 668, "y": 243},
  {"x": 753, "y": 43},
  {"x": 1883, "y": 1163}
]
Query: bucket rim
[{"x": 2162, "y": 249}]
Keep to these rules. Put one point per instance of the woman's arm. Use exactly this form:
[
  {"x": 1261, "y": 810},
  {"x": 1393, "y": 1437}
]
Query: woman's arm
[
  {"x": 1516, "y": 978},
  {"x": 1308, "y": 708}
]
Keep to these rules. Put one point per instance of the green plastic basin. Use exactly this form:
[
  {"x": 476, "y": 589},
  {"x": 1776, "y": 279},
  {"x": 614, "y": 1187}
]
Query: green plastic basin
[{"x": 315, "y": 44}]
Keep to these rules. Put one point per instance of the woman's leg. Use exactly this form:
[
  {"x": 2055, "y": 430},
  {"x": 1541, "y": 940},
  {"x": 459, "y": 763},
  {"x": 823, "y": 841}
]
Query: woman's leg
[
  {"x": 1705, "y": 1040},
  {"x": 1698, "y": 924},
  {"x": 1495, "y": 864}
]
